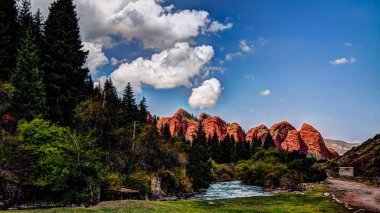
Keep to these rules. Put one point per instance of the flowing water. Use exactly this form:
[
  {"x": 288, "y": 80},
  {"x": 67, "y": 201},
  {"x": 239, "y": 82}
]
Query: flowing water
[{"x": 231, "y": 189}]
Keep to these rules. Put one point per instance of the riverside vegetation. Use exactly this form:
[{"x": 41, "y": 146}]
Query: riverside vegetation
[{"x": 65, "y": 141}]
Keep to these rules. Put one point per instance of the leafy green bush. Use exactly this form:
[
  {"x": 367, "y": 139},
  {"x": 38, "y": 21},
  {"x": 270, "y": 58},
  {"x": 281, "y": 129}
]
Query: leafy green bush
[
  {"x": 222, "y": 172},
  {"x": 274, "y": 168}
]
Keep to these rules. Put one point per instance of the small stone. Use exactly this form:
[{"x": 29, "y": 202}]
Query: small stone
[
  {"x": 211, "y": 203},
  {"x": 326, "y": 194}
]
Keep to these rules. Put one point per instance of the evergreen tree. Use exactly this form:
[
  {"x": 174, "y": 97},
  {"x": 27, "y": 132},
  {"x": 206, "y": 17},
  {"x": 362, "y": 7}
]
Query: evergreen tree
[
  {"x": 199, "y": 164},
  {"x": 238, "y": 151},
  {"x": 269, "y": 142},
  {"x": 143, "y": 111},
  {"x": 246, "y": 152},
  {"x": 256, "y": 143},
  {"x": 129, "y": 105},
  {"x": 29, "y": 98},
  {"x": 166, "y": 132},
  {"x": 225, "y": 150},
  {"x": 25, "y": 18},
  {"x": 232, "y": 148},
  {"x": 37, "y": 27},
  {"x": 214, "y": 148},
  {"x": 111, "y": 104},
  {"x": 8, "y": 38},
  {"x": 63, "y": 60}
]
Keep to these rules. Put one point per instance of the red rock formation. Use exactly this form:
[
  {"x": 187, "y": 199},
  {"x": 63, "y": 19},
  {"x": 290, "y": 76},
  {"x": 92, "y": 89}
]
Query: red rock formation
[
  {"x": 293, "y": 142},
  {"x": 258, "y": 133},
  {"x": 203, "y": 116},
  {"x": 192, "y": 129},
  {"x": 334, "y": 153},
  {"x": 161, "y": 123},
  {"x": 213, "y": 125},
  {"x": 236, "y": 131},
  {"x": 314, "y": 142},
  {"x": 279, "y": 131}
]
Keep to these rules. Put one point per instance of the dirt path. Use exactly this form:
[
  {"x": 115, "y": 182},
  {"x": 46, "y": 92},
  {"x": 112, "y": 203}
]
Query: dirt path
[{"x": 358, "y": 194}]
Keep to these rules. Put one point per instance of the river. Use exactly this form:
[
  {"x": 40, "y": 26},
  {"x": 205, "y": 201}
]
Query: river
[{"x": 231, "y": 189}]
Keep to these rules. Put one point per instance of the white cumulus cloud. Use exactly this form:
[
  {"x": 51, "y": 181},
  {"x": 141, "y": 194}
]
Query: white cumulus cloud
[
  {"x": 343, "y": 61},
  {"x": 264, "y": 92},
  {"x": 216, "y": 26},
  {"x": 95, "y": 57},
  {"x": 245, "y": 47},
  {"x": 156, "y": 26},
  {"x": 206, "y": 95},
  {"x": 168, "y": 69}
]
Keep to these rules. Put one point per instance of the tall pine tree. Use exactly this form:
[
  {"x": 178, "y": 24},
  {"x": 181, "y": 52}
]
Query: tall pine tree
[
  {"x": 38, "y": 28},
  {"x": 8, "y": 38},
  {"x": 129, "y": 105},
  {"x": 143, "y": 111},
  {"x": 269, "y": 142},
  {"x": 25, "y": 18},
  {"x": 199, "y": 165},
  {"x": 63, "y": 60},
  {"x": 29, "y": 98}
]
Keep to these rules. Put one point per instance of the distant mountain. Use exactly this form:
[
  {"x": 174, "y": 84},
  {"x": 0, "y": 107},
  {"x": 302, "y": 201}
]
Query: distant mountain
[
  {"x": 307, "y": 140},
  {"x": 365, "y": 159},
  {"x": 339, "y": 146}
]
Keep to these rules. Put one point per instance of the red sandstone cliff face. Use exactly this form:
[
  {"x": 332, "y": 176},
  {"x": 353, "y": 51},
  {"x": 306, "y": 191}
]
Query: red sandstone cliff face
[
  {"x": 279, "y": 131},
  {"x": 314, "y": 142},
  {"x": 293, "y": 142},
  {"x": 214, "y": 125},
  {"x": 307, "y": 140},
  {"x": 192, "y": 129},
  {"x": 236, "y": 131},
  {"x": 258, "y": 133},
  {"x": 203, "y": 116}
]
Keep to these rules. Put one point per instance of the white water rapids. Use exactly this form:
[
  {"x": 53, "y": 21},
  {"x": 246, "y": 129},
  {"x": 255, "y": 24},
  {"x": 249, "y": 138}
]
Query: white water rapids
[{"x": 231, "y": 189}]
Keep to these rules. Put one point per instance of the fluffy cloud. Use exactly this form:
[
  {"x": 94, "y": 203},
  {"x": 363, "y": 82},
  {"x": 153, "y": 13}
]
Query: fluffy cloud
[
  {"x": 216, "y": 26},
  {"x": 168, "y": 69},
  {"x": 231, "y": 56},
  {"x": 264, "y": 92},
  {"x": 95, "y": 57},
  {"x": 206, "y": 95},
  {"x": 155, "y": 25},
  {"x": 347, "y": 44},
  {"x": 343, "y": 61},
  {"x": 245, "y": 47}
]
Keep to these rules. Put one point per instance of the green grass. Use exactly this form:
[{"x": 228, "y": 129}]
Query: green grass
[{"x": 312, "y": 201}]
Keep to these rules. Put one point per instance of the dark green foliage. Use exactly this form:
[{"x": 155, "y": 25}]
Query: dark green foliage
[
  {"x": 166, "y": 132},
  {"x": 199, "y": 167},
  {"x": 269, "y": 142},
  {"x": 8, "y": 38},
  {"x": 274, "y": 168},
  {"x": 142, "y": 111},
  {"x": 131, "y": 112},
  {"x": 225, "y": 150},
  {"x": 29, "y": 97},
  {"x": 63, "y": 60},
  {"x": 25, "y": 18},
  {"x": 38, "y": 29},
  {"x": 214, "y": 148}
]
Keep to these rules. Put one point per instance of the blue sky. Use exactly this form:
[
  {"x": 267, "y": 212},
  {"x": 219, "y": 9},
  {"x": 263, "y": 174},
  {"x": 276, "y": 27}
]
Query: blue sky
[{"x": 316, "y": 61}]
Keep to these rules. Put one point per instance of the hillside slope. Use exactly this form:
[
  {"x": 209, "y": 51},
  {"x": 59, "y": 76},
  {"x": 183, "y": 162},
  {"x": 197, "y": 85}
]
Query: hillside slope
[
  {"x": 365, "y": 158},
  {"x": 340, "y": 146}
]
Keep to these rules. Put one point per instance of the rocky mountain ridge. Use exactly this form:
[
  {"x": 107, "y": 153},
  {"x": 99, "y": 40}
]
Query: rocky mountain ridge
[
  {"x": 307, "y": 140},
  {"x": 340, "y": 146}
]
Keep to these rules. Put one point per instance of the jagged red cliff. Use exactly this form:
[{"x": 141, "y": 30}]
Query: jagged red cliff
[{"x": 307, "y": 140}]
